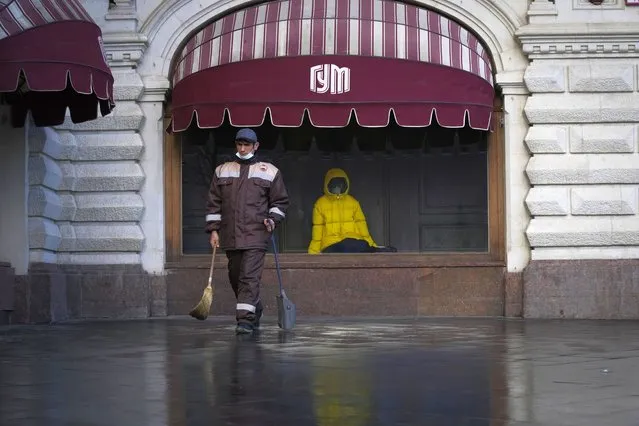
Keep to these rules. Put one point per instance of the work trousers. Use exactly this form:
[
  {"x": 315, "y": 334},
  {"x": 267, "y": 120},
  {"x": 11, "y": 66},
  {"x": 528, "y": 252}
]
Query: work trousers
[{"x": 245, "y": 274}]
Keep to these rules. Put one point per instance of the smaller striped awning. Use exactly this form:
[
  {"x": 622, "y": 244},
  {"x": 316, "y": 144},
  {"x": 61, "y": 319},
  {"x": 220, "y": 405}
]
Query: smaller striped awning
[
  {"x": 51, "y": 59},
  {"x": 333, "y": 60}
]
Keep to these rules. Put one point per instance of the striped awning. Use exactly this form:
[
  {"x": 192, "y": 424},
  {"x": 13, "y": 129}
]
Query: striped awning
[
  {"x": 331, "y": 59},
  {"x": 51, "y": 59}
]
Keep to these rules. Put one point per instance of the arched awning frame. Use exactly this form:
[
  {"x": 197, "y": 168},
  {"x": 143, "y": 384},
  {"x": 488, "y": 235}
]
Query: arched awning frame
[{"x": 220, "y": 69}]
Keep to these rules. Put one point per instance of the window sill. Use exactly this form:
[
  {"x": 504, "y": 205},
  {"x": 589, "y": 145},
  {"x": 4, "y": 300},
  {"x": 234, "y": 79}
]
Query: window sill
[{"x": 367, "y": 261}]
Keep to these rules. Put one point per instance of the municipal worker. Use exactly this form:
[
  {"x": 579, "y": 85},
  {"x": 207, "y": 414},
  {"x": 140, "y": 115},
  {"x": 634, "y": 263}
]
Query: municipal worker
[
  {"x": 339, "y": 224},
  {"x": 246, "y": 201}
]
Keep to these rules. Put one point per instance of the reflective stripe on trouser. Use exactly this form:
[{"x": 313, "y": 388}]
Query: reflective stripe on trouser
[{"x": 245, "y": 273}]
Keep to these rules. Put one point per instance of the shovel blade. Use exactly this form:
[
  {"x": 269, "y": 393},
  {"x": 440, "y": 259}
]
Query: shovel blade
[{"x": 285, "y": 312}]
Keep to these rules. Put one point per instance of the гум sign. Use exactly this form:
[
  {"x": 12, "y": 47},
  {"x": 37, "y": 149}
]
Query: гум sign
[{"x": 330, "y": 78}]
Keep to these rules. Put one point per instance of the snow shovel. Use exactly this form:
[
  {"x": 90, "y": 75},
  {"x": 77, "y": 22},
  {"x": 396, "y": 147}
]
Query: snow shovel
[{"x": 285, "y": 307}]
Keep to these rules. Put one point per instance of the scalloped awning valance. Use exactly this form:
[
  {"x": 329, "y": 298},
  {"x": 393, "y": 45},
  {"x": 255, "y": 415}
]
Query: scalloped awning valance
[{"x": 51, "y": 59}]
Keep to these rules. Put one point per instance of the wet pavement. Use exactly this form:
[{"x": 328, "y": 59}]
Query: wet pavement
[{"x": 461, "y": 372}]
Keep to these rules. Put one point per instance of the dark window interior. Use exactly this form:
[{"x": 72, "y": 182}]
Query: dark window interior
[{"x": 421, "y": 189}]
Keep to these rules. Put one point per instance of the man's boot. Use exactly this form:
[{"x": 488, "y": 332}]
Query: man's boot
[{"x": 244, "y": 328}]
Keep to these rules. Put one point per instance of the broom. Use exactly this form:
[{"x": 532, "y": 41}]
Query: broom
[{"x": 201, "y": 310}]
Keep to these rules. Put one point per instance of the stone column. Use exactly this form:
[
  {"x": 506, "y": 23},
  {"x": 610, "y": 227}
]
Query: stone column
[
  {"x": 516, "y": 186},
  {"x": 152, "y": 104}
]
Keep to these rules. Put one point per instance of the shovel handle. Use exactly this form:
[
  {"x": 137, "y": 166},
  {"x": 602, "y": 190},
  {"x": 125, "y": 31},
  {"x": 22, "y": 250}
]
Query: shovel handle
[{"x": 277, "y": 264}]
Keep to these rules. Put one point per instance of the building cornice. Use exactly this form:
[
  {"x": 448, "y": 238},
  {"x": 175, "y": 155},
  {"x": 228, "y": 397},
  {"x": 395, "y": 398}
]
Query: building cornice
[
  {"x": 620, "y": 39},
  {"x": 124, "y": 49}
]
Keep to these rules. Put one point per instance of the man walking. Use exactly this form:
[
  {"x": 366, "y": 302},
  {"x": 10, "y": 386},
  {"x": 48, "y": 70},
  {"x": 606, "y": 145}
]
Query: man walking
[{"x": 246, "y": 201}]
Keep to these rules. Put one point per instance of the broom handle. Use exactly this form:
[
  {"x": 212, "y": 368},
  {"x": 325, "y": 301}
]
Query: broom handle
[
  {"x": 277, "y": 263},
  {"x": 212, "y": 263}
]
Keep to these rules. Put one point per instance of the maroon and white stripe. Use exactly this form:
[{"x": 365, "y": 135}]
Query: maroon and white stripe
[
  {"x": 382, "y": 28},
  {"x": 17, "y": 16}
]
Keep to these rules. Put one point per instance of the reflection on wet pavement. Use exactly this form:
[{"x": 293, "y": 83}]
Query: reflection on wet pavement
[{"x": 461, "y": 372}]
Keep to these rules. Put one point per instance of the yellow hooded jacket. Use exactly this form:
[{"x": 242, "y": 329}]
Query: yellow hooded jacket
[{"x": 337, "y": 217}]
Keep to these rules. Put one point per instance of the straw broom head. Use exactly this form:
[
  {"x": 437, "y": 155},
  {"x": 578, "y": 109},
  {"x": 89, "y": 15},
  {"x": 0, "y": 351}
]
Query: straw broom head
[{"x": 202, "y": 309}]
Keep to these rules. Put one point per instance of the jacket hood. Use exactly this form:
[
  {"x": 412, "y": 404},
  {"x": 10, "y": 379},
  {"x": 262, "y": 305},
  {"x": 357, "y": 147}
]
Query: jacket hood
[{"x": 336, "y": 173}]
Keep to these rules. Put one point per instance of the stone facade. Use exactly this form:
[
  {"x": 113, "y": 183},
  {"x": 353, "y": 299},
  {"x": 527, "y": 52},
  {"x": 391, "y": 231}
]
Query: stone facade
[
  {"x": 569, "y": 75},
  {"x": 584, "y": 166}
]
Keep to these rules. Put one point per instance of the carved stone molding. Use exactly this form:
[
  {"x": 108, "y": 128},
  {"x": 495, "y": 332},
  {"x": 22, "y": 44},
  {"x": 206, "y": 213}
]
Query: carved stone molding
[
  {"x": 124, "y": 49},
  {"x": 121, "y": 16},
  {"x": 511, "y": 83},
  {"x": 542, "y": 11},
  {"x": 121, "y": 7},
  {"x": 155, "y": 89},
  {"x": 583, "y": 40}
]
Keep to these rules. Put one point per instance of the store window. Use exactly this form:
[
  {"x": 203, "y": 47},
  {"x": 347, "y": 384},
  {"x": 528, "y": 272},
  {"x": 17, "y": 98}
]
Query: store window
[{"x": 423, "y": 190}]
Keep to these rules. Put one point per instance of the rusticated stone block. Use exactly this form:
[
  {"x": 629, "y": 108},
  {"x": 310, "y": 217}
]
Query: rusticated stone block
[
  {"x": 67, "y": 233},
  {"x": 573, "y": 232},
  {"x": 43, "y": 234},
  {"x": 69, "y": 145},
  {"x": 548, "y": 169},
  {"x": 108, "y": 146},
  {"x": 583, "y": 231},
  {"x": 625, "y": 231},
  {"x": 602, "y": 138},
  {"x": 128, "y": 85},
  {"x": 543, "y": 139},
  {"x": 582, "y": 108},
  {"x": 112, "y": 176},
  {"x": 68, "y": 207},
  {"x": 43, "y": 170},
  {"x": 593, "y": 252},
  {"x": 97, "y": 237},
  {"x": 604, "y": 200},
  {"x": 44, "y": 202},
  {"x": 45, "y": 140},
  {"x": 68, "y": 175},
  {"x": 602, "y": 78},
  {"x": 109, "y": 207},
  {"x": 557, "y": 169},
  {"x": 548, "y": 201},
  {"x": 612, "y": 168},
  {"x": 541, "y": 78}
]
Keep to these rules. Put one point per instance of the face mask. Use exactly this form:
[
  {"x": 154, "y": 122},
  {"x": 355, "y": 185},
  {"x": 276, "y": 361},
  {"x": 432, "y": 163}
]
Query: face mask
[
  {"x": 244, "y": 157},
  {"x": 336, "y": 188}
]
